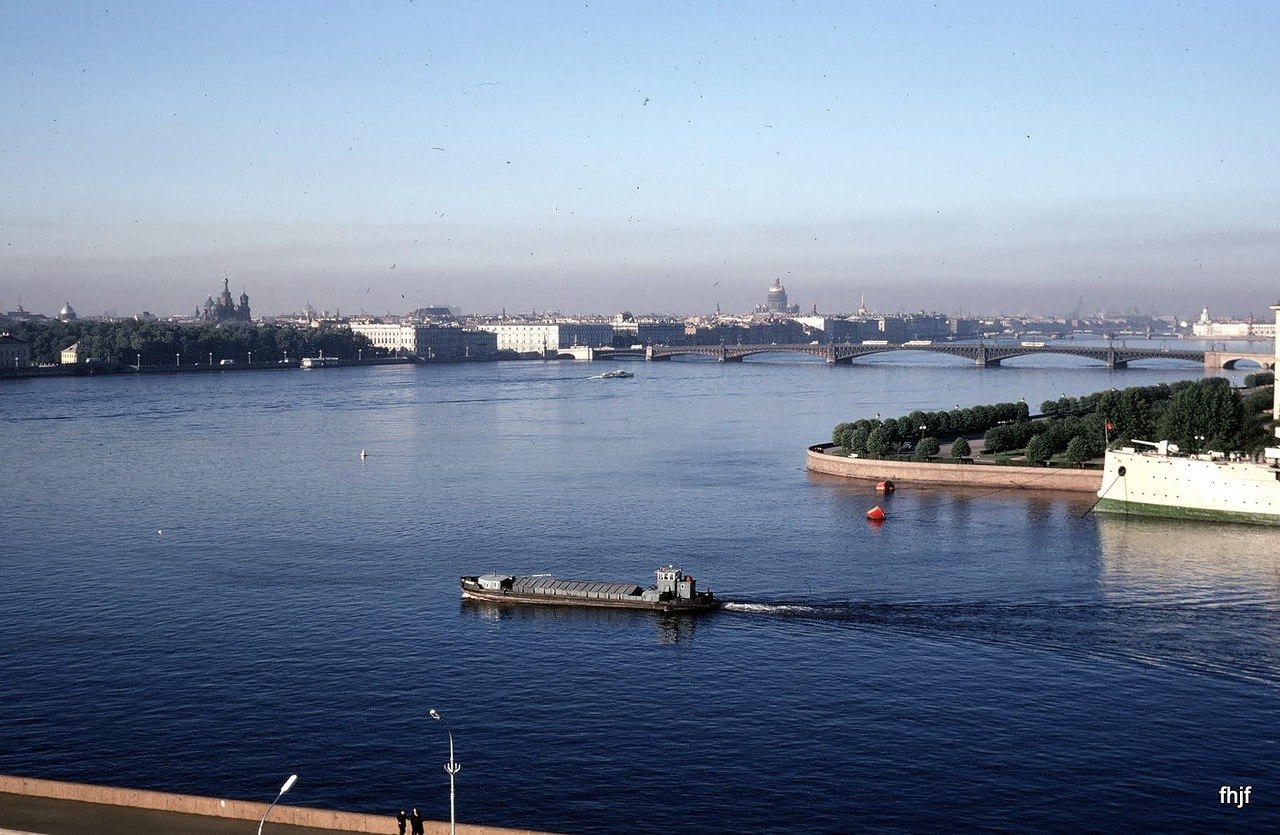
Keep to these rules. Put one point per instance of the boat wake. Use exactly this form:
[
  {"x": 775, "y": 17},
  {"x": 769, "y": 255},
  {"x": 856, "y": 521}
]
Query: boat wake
[{"x": 1196, "y": 635}]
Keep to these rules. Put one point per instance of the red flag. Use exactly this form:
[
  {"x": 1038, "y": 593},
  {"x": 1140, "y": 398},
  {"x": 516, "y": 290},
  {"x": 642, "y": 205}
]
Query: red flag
[{"x": 1110, "y": 426}]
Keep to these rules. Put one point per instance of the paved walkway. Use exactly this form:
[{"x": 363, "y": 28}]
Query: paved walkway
[
  {"x": 53, "y": 807},
  {"x": 51, "y": 816}
]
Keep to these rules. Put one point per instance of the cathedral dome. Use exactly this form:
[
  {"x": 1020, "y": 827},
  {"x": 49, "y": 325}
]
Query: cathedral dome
[{"x": 776, "y": 299}]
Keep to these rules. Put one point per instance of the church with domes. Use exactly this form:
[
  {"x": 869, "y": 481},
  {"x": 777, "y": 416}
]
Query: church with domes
[{"x": 224, "y": 309}]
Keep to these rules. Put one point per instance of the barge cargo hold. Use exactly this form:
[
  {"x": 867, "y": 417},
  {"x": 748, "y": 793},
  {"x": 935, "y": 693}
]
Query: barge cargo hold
[{"x": 675, "y": 591}]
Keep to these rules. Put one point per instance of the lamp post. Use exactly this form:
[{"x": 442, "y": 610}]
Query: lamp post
[
  {"x": 288, "y": 784},
  {"x": 451, "y": 767},
  {"x": 137, "y": 366},
  {"x": 1199, "y": 443},
  {"x": 177, "y": 358},
  {"x": 251, "y": 357},
  {"x": 211, "y": 357}
]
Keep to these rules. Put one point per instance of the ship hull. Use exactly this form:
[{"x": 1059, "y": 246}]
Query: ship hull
[
  {"x": 1191, "y": 513},
  {"x": 704, "y": 603},
  {"x": 1213, "y": 490}
]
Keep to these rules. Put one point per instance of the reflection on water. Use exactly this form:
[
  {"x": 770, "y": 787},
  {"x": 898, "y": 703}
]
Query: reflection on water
[
  {"x": 1195, "y": 593},
  {"x": 672, "y": 627},
  {"x": 1172, "y": 556}
]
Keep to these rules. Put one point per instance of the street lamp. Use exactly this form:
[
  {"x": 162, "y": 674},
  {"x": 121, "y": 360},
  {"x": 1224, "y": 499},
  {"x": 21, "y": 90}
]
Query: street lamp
[
  {"x": 288, "y": 784},
  {"x": 1199, "y": 442},
  {"x": 211, "y": 357},
  {"x": 177, "y": 358},
  {"x": 451, "y": 767},
  {"x": 251, "y": 357}
]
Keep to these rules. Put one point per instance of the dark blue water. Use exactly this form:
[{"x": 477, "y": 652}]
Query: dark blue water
[{"x": 983, "y": 660}]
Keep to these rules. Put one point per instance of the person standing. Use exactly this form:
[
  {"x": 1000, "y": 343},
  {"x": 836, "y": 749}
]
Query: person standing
[
  {"x": 400, "y": 819},
  {"x": 415, "y": 822}
]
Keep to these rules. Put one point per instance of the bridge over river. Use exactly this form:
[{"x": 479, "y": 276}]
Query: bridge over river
[{"x": 981, "y": 355}]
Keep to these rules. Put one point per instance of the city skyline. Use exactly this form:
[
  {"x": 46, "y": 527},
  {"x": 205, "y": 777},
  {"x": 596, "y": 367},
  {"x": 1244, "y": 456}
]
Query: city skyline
[{"x": 604, "y": 158}]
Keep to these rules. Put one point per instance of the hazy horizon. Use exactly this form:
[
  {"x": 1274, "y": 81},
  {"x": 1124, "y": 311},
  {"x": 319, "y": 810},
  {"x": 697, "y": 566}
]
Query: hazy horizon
[{"x": 973, "y": 157}]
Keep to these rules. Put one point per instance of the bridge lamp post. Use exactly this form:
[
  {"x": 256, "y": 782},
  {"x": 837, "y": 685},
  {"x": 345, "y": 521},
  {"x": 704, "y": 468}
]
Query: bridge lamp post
[
  {"x": 288, "y": 784},
  {"x": 451, "y": 767}
]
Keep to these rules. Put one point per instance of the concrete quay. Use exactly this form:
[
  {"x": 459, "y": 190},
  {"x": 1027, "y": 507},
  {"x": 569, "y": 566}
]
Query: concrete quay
[
  {"x": 820, "y": 459},
  {"x": 52, "y": 807}
]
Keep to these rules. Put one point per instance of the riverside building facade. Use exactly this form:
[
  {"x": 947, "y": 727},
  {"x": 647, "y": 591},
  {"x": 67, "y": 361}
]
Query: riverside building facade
[
  {"x": 445, "y": 343},
  {"x": 543, "y": 338},
  {"x": 14, "y": 353}
]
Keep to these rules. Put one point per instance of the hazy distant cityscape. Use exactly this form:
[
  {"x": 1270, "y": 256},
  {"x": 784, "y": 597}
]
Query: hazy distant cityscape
[{"x": 774, "y": 320}]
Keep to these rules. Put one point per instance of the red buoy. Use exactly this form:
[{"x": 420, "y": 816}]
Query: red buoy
[
  {"x": 885, "y": 486},
  {"x": 875, "y": 514}
]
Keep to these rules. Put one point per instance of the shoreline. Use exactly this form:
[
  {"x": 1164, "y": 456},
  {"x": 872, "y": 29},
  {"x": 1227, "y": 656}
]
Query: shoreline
[
  {"x": 818, "y": 459},
  {"x": 82, "y": 798}
]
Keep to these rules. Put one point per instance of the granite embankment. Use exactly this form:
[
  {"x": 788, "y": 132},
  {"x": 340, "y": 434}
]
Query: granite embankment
[
  {"x": 83, "y": 799},
  {"x": 826, "y": 458}
]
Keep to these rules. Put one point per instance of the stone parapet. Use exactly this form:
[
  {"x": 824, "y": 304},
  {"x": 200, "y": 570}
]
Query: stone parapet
[
  {"x": 993, "y": 476},
  {"x": 221, "y": 808}
]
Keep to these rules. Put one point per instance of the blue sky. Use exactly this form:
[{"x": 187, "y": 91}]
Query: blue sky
[{"x": 594, "y": 157}]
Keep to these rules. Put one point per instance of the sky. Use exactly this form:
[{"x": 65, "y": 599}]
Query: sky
[{"x": 374, "y": 157}]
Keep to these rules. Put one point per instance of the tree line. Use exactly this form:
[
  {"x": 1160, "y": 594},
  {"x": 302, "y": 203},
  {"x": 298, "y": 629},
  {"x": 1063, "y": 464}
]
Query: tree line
[
  {"x": 1196, "y": 415},
  {"x": 166, "y": 343}
]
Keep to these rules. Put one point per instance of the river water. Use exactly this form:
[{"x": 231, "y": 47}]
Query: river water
[{"x": 206, "y": 589}]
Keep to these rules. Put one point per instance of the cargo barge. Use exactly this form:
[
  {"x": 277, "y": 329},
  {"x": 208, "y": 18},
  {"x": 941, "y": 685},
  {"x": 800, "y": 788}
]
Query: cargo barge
[{"x": 674, "y": 591}]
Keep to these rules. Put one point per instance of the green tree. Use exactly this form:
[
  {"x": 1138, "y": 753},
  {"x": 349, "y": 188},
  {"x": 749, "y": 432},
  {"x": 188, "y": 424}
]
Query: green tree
[
  {"x": 878, "y": 442},
  {"x": 858, "y": 439},
  {"x": 1081, "y": 448},
  {"x": 960, "y": 448},
  {"x": 926, "y": 449},
  {"x": 1039, "y": 449},
  {"x": 1204, "y": 415}
]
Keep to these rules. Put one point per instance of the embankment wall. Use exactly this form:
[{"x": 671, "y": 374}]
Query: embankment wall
[
  {"x": 818, "y": 460},
  {"x": 220, "y": 808}
]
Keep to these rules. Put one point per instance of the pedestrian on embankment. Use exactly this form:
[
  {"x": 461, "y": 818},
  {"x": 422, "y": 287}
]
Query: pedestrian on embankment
[
  {"x": 400, "y": 820},
  {"x": 415, "y": 821}
]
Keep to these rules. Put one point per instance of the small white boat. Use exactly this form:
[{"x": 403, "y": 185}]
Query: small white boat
[{"x": 616, "y": 374}]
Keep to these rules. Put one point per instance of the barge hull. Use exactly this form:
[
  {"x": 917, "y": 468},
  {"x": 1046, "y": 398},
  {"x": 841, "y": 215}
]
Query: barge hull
[{"x": 472, "y": 591}]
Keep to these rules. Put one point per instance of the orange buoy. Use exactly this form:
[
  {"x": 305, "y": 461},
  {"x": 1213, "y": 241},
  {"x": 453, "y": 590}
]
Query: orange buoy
[
  {"x": 885, "y": 486},
  {"x": 875, "y": 514}
]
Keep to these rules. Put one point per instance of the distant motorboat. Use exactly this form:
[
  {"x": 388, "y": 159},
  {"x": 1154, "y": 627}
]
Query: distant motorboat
[{"x": 616, "y": 374}]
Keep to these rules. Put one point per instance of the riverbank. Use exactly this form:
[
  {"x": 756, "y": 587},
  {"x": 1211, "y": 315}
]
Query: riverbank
[
  {"x": 110, "y": 368},
  {"x": 33, "y": 805},
  {"x": 822, "y": 458}
]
